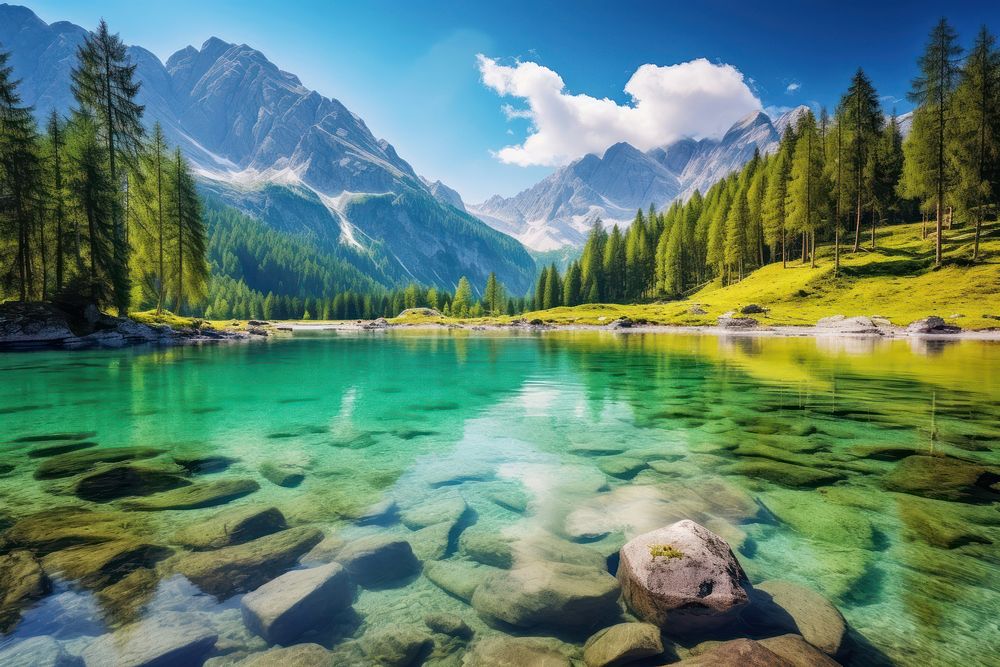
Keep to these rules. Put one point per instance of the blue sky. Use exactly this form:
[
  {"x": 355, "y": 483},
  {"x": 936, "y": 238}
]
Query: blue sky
[{"x": 410, "y": 69}]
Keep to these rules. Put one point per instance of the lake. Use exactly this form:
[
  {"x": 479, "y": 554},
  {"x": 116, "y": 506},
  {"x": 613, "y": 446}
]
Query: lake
[{"x": 848, "y": 465}]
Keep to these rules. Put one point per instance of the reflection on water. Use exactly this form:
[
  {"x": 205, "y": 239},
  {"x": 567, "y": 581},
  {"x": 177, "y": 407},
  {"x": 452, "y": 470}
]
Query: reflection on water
[{"x": 863, "y": 468}]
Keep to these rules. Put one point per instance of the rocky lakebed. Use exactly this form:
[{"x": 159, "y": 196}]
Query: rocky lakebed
[{"x": 573, "y": 499}]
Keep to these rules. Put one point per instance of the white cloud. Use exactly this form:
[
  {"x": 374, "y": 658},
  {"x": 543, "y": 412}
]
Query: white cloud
[
  {"x": 693, "y": 99},
  {"x": 792, "y": 87}
]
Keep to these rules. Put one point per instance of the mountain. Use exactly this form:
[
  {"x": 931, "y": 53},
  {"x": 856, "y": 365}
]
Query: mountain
[
  {"x": 561, "y": 208},
  {"x": 263, "y": 143}
]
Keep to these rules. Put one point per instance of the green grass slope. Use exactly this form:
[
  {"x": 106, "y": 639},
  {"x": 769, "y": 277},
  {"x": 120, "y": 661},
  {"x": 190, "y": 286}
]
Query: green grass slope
[{"x": 896, "y": 280}]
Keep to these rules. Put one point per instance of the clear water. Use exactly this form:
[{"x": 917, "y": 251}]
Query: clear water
[{"x": 411, "y": 415}]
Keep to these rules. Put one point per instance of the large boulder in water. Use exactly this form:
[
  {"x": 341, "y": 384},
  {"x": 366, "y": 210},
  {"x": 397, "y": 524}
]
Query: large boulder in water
[
  {"x": 284, "y": 608},
  {"x": 556, "y": 595},
  {"x": 504, "y": 651},
  {"x": 683, "y": 578},
  {"x": 121, "y": 481},
  {"x": 736, "y": 653},
  {"x": 195, "y": 496}
]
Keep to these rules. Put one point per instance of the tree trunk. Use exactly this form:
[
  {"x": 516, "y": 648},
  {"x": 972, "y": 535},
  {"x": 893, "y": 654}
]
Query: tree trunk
[
  {"x": 784, "y": 250},
  {"x": 979, "y": 227},
  {"x": 812, "y": 250}
]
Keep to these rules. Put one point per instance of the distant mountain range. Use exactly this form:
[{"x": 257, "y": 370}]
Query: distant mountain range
[
  {"x": 300, "y": 162},
  {"x": 560, "y": 209}
]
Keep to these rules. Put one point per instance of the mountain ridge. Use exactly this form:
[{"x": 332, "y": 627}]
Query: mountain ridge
[
  {"x": 560, "y": 209},
  {"x": 247, "y": 125}
]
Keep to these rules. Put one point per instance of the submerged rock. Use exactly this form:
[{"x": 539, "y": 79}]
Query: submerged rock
[
  {"x": 509, "y": 548},
  {"x": 457, "y": 578},
  {"x": 52, "y": 530},
  {"x": 736, "y": 653},
  {"x": 233, "y": 526},
  {"x": 169, "y": 639},
  {"x": 202, "y": 494},
  {"x": 121, "y": 481},
  {"x": 299, "y": 655},
  {"x": 505, "y": 651},
  {"x": 97, "y": 565},
  {"x": 946, "y": 524},
  {"x": 554, "y": 595},
  {"x": 448, "y": 624},
  {"x": 432, "y": 542},
  {"x": 444, "y": 507},
  {"x": 37, "y": 652},
  {"x": 787, "y": 606},
  {"x": 622, "y": 643},
  {"x": 797, "y": 651},
  {"x": 197, "y": 464},
  {"x": 74, "y": 463},
  {"x": 244, "y": 567},
  {"x": 683, "y": 578},
  {"x": 285, "y": 607},
  {"x": 944, "y": 478},
  {"x": 810, "y": 514},
  {"x": 287, "y": 475},
  {"x": 786, "y": 474},
  {"x": 378, "y": 560},
  {"x": 56, "y": 450},
  {"x": 21, "y": 582},
  {"x": 396, "y": 647}
]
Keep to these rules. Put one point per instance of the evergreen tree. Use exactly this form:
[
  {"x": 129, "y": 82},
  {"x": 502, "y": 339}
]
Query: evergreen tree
[
  {"x": 930, "y": 176},
  {"x": 552, "y": 291},
  {"x": 614, "y": 265},
  {"x": 493, "y": 297},
  {"x": 55, "y": 190},
  {"x": 191, "y": 242},
  {"x": 104, "y": 86},
  {"x": 975, "y": 146},
  {"x": 775, "y": 215},
  {"x": 735, "y": 240},
  {"x": 20, "y": 183},
  {"x": 572, "y": 286},
  {"x": 862, "y": 121},
  {"x": 807, "y": 190},
  {"x": 592, "y": 264},
  {"x": 886, "y": 172},
  {"x": 461, "y": 305}
]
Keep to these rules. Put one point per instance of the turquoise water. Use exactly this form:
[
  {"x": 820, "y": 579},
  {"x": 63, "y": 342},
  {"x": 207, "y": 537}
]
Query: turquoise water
[{"x": 791, "y": 449}]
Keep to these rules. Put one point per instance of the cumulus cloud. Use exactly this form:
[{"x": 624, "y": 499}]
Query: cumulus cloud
[
  {"x": 792, "y": 87},
  {"x": 693, "y": 99}
]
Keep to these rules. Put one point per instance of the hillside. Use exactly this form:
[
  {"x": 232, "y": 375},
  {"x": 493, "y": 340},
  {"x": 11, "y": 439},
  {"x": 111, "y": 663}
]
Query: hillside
[{"x": 897, "y": 281}]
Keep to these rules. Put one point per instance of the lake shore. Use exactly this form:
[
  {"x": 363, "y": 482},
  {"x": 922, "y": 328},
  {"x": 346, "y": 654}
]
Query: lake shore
[{"x": 760, "y": 330}]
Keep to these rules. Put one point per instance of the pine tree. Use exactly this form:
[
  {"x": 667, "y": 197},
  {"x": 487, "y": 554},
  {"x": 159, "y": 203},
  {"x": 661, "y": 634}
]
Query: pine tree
[
  {"x": 461, "y": 305},
  {"x": 493, "y": 296},
  {"x": 55, "y": 190},
  {"x": 886, "y": 171},
  {"x": 539, "y": 296},
  {"x": 775, "y": 214},
  {"x": 150, "y": 239},
  {"x": 572, "y": 286},
  {"x": 592, "y": 264},
  {"x": 807, "y": 190},
  {"x": 975, "y": 145},
  {"x": 552, "y": 290},
  {"x": 104, "y": 86},
  {"x": 931, "y": 176},
  {"x": 20, "y": 183},
  {"x": 862, "y": 122},
  {"x": 735, "y": 241},
  {"x": 190, "y": 239}
]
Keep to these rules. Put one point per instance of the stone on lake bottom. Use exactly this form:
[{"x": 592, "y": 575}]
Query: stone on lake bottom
[
  {"x": 377, "y": 560},
  {"x": 794, "y": 608},
  {"x": 244, "y": 567},
  {"x": 21, "y": 581},
  {"x": 233, "y": 526},
  {"x": 944, "y": 478},
  {"x": 514, "y": 652},
  {"x": 683, "y": 578},
  {"x": 169, "y": 639},
  {"x": 448, "y": 624},
  {"x": 797, "y": 651},
  {"x": 396, "y": 647},
  {"x": 736, "y": 653},
  {"x": 74, "y": 463},
  {"x": 622, "y": 643},
  {"x": 457, "y": 578},
  {"x": 37, "y": 652},
  {"x": 195, "y": 496},
  {"x": 299, "y": 655},
  {"x": 555, "y": 595},
  {"x": 285, "y": 607},
  {"x": 283, "y": 474},
  {"x": 120, "y": 481}
]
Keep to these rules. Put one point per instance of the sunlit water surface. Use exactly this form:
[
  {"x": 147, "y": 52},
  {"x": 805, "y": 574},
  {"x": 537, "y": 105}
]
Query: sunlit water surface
[{"x": 677, "y": 421}]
